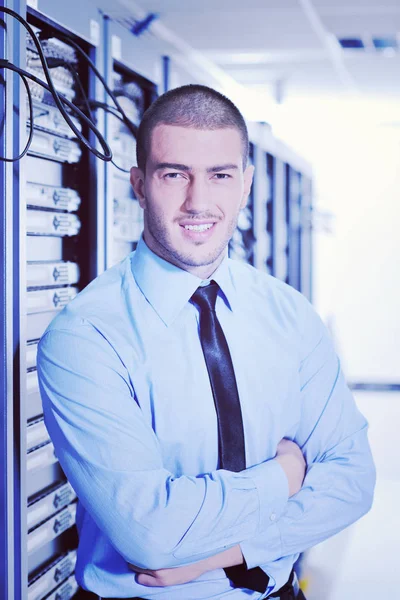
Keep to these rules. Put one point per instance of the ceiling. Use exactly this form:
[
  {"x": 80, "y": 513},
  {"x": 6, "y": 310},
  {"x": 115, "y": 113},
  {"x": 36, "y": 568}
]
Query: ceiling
[{"x": 288, "y": 49}]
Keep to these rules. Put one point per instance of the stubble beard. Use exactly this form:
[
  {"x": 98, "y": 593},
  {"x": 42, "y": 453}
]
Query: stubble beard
[{"x": 163, "y": 246}]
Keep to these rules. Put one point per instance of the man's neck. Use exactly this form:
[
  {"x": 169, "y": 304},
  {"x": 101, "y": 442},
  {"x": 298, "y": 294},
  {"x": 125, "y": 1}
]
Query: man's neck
[{"x": 201, "y": 271}]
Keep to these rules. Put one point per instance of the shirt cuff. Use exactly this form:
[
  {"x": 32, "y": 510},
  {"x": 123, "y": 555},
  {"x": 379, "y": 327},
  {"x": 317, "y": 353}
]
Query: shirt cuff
[
  {"x": 259, "y": 550},
  {"x": 273, "y": 491}
]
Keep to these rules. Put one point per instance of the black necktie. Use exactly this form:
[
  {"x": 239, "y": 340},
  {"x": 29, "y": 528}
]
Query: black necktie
[{"x": 231, "y": 449}]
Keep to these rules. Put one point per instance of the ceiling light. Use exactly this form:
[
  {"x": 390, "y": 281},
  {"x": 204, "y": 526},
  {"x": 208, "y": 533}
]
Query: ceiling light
[
  {"x": 351, "y": 43},
  {"x": 383, "y": 43}
]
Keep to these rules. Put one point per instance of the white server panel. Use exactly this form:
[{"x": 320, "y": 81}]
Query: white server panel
[
  {"x": 40, "y": 458},
  {"x": 49, "y": 118},
  {"x": 43, "y": 477},
  {"x": 36, "y": 323},
  {"x": 56, "y": 148},
  {"x": 52, "y": 197},
  {"x": 46, "y": 274},
  {"x": 52, "y": 528},
  {"x": 50, "y": 578},
  {"x": 46, "y": 505},
  {"x": 33, "y": 399},
  {"x": 49, "y": 300},
  {"x": 40, "y": 222},
  {"x": 65, "y": 591},
  {"x": 31, "y": 354},
  {"x": 44, "y": 248},
  {"x": 42, "y": 172},
  {"x": 36, "y": 434}
]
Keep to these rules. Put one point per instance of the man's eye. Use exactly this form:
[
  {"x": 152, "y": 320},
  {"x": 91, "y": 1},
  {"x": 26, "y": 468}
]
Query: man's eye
[
  {"x": 172, "y": 175},
  {"x": 222, "y": 176}
]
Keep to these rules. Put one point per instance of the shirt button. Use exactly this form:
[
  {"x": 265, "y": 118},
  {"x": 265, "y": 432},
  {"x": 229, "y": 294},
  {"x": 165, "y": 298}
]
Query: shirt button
[{"x": 272, "y": 517}]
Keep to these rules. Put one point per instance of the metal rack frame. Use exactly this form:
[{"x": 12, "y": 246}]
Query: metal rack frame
[{"x": 111, "y": 65}]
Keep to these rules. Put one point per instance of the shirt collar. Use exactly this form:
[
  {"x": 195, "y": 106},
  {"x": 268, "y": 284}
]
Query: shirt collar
[{"x": 168, "y": 288}]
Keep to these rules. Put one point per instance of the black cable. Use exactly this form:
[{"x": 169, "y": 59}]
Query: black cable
[
  {"x": 58, "y": 98},
  {"x": 113, "y": 111},
  {"x": 28, "y": 143},
  {"x": 5, "y": 64},
  {"x": 77, "y": 81},
  {"x": 119, "y": 168},
  {"x": 131, "y": 126},
  {"x": 107, "y": 108}
]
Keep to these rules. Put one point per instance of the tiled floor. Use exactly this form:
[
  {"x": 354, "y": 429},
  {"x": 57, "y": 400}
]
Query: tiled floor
[{"x": 363, "y": 562}]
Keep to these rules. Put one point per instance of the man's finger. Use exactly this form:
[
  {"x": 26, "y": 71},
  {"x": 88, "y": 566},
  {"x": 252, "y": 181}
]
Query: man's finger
[
  {"x": 148, "y": 580},
  {"x": 139, "y": 569}
]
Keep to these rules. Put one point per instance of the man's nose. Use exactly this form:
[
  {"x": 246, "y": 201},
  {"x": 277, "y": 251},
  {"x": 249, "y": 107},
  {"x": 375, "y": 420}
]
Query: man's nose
[{"x": 197, "y": 196}]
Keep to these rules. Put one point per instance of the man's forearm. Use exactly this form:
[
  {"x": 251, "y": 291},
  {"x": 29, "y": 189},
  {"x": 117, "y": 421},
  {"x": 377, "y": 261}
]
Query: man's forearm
[
  {"x": 336, "y": 492},
  {"x": 227, "y": 558},
  {"x": 293, "y": 464},
  {"x": 178, "y": 575}
]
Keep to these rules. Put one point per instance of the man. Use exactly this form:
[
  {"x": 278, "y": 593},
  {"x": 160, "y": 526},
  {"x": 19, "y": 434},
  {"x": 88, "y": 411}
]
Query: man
[{"x": 181, "y": 496}]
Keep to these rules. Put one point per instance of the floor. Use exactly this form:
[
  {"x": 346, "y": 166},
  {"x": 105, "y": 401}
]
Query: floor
[{"x": 363, "y": 562}]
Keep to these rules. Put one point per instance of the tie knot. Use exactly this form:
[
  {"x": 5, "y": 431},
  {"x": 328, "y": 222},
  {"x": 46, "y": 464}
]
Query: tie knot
[{"x": 205, "y": 296}]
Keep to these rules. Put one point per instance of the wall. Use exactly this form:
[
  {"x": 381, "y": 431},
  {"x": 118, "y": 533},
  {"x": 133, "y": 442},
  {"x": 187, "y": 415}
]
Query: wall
[{"x": 356, "y": 164}]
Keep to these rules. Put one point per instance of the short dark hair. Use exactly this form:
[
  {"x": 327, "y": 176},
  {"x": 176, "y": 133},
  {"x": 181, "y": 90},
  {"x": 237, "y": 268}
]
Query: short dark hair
[{"x": 196, "y": 106}]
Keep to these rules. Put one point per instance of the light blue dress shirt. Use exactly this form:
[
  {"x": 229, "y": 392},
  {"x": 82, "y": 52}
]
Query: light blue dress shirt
[{"x": 129, "y": 407}]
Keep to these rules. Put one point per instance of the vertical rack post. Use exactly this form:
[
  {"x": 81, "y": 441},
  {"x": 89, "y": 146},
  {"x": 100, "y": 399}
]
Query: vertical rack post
[{"x": 6, "y": 330}]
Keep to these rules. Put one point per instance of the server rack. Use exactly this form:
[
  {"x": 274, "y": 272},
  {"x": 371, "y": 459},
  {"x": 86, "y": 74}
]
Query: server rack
[
  {"x": 269, "y": 209},
  {"x": 298, "y": 200},
  {"x": 282, "y": 205},
  {"x": 293, "y": 211},
  {"x": 306, "y": 241},
  {"x": 288, "y": 222},
  {"x": 279, "y": 222},
  {"x": 50, "y": 212},
  {"x": 135, "y": 93},
  {"x": 242, "y": 244}
]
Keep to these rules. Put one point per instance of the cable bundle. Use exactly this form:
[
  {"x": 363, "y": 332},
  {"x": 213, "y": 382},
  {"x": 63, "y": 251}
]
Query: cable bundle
[{"x": 39, "y": 65}]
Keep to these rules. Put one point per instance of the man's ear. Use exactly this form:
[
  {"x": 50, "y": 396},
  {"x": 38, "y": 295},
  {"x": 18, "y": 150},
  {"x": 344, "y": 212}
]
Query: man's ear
[
  {"x": 248, "y": 180},
  {"x": 137, "y": 182}
]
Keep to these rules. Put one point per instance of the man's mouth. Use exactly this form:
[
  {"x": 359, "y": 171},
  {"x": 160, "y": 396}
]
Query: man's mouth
[{"x": 200, "y": 227}]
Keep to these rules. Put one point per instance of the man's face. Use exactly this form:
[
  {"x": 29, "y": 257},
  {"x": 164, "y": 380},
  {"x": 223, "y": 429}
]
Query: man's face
[{"x": 191, "y": 193}]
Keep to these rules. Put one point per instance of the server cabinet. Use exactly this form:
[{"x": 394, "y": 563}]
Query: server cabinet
[
  {"x": 306, "y": 272},
  {"x": 288, "y": 223},
  {"x": 299, "y": 249},
  {"x": 50, "y": 205},
  {"x": 135, "y": 93},
  {"x": 293, "y": 211},
  {"x": 265, "y": 220},
  {"x": 279, "y": 223},
  {"x": 242, "y": 244}
]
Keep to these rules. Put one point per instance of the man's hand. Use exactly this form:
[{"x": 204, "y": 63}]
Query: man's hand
[
  {"x": 167, "y": 577},
  {"x": 178, "y": 575},
  {"x": 292, "y": 461}
]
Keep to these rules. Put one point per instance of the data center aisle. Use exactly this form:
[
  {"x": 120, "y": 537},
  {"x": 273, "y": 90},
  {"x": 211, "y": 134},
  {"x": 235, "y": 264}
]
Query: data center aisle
[{"x": 362, "y": 562}]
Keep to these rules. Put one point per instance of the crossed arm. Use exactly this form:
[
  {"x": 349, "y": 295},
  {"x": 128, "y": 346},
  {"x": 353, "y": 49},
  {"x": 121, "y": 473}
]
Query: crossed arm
[
  {"x": 292, "y": 461},
  {"x": 219, "y": 516}
]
